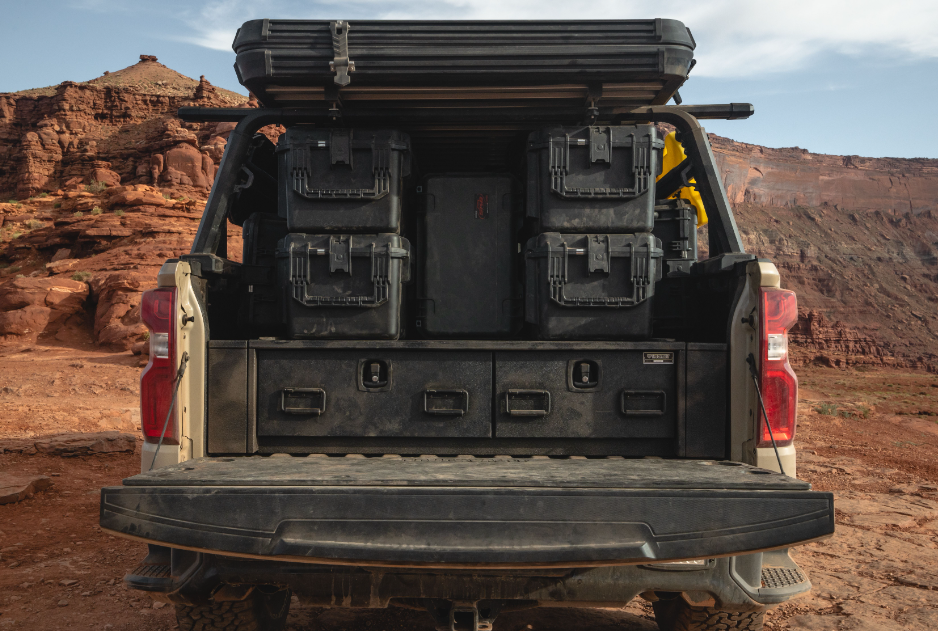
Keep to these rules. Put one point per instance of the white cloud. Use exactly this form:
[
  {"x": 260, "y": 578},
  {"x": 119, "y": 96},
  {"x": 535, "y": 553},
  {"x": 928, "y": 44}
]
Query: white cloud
[{"x": 735, "y": 38}]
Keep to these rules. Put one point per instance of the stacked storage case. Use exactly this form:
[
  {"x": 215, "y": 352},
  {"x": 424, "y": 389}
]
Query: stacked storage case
[
  {"x": 339, "y": 260},
  {"x": 591, "y": 273}
]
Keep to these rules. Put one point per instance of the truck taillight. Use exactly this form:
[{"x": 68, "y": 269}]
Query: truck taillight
[
  {"x": 158, "y": 310},
  {"x": 778, "y": 382}
]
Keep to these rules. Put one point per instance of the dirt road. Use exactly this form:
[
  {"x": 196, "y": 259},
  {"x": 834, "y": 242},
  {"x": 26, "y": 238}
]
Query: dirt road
[{"x": 862, "y": 435}]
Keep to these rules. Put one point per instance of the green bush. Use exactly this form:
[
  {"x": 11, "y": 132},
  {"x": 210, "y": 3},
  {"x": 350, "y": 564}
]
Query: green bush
[
  {"x": 16, "y": 235},
  {"x": 57, "y": 205},
  {"x": 96, "y": 210},
  {"x": 119, "y": 212},
  {"x": 827, "y": 409},
  {"x": 146, "y": 336},
  {"x": 82, "y": 276},
  {"x": 78, "y": 213},
  {"x": 95, "y": 187},
  {"x": 43, "y": 194},
  {"x": 35, "y": 224}
]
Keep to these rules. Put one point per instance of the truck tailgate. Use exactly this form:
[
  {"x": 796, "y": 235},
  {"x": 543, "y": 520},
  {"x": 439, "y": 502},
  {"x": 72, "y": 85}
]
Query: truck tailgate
[{"x": 466, "y": 511}]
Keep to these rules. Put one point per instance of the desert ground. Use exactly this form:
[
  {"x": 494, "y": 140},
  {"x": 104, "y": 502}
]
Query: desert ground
[{"x": 870, "y": 436}]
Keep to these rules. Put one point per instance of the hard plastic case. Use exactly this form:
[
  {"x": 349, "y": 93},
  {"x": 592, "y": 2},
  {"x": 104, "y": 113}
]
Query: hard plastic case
[
  {"x": 593, "y": 179},
  {"x": 343, "y": 286},
  {"x": 592, "y": 286},
  {"x": 342, "y": 180}
]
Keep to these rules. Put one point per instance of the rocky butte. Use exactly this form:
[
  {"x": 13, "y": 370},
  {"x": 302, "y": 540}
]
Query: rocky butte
[{"x": 105, "y": 183}]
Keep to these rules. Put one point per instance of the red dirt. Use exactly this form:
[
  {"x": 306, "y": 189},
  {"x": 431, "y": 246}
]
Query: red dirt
[{"x": 880, "y": 571}]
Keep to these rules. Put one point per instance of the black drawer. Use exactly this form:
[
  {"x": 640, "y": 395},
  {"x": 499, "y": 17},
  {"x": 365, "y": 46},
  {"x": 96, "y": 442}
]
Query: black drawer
[
  {"x": 364, "y": 392},
  {"x": 589, "y": 394}
]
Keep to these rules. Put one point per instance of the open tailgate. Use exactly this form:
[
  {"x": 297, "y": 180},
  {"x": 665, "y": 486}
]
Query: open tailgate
[{"x": 466, "y": 511}]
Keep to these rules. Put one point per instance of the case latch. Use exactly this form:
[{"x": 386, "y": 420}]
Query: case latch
[
  {"x": 600, "y": 145},
  {"x": 598, "y": 253},
  {"x": 340, "y": 147},
  {"x": 340, "y": 255},
  {"x": 341, "y": 65}
]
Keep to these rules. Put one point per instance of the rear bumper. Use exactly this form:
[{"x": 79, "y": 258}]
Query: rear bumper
[{"x": 453, "y": 513}]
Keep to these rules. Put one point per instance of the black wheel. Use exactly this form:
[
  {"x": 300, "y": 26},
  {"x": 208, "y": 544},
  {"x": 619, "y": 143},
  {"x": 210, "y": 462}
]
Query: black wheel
[
  {"x": 676, "y": 615},
  {"x": 257, "y": 612}
]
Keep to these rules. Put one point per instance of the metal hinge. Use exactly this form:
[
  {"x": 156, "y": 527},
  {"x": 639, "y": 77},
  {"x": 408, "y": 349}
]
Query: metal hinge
[{"x": 341, "y": 65}]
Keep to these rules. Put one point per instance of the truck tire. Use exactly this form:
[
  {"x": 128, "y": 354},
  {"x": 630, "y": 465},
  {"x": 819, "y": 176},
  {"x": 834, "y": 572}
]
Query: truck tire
[
  {"x": 257, "y": 612},
  {"x": 676, "y": 615}
]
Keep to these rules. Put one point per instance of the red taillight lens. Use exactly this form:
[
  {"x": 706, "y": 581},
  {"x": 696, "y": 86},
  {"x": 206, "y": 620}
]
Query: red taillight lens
[
  {"x": 157, "y": 310},
  {"x": 778, "y": 382}
]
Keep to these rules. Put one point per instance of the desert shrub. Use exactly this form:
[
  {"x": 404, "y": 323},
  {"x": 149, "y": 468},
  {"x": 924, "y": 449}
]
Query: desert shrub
[
  {"x": 119, "y": 212},
  {"x": 34, "y": 224},
  {"x": 43, "y": 194},
  {"x": 96, "y": 210},
  {"x": 82, "y": 276},
  {"x": 95, "y": 187},
  {"x": 146, "y": 336},
  {"x": 57, "y": 205},
  {"x": 16, "y": 235},
  {"x": 827, "y": 409},
  {"x": 78, "y": 213}
]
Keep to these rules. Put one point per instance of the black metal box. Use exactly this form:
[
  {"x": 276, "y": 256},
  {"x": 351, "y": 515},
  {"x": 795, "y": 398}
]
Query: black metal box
[
  {"x": 470, "y": 281},
  {"x": 343, "y": 286},
  {"x": 591, "y": 286},
  {"x": 594, "y": 179},
  {"x": 341, "y": 180}
]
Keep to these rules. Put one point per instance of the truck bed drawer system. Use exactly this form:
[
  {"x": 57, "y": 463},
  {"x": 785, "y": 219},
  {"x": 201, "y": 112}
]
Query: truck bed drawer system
[{"x": 554, "y": 398}]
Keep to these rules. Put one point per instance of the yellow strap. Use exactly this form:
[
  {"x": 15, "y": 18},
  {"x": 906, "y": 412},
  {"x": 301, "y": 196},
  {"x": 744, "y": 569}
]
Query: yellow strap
[{"x": 673, "y": 156}]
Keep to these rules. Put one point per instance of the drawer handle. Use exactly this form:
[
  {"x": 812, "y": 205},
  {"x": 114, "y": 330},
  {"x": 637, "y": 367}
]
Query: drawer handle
[
  {"x": 459, "y": 399},
  {"x": 312, "y": 395},
  {"x": 644, "y": 402},
  {"x": 531, "y": 397}
]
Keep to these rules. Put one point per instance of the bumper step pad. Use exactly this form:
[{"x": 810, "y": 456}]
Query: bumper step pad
[{"x": 451, "y": 512}]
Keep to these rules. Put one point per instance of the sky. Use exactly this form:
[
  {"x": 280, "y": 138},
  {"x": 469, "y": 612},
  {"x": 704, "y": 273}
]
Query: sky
[{"x": 848, "y": 77}]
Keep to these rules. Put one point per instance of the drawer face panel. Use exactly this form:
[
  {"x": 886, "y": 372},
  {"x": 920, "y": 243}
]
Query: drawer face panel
[
  {"x": 362, "y": 392},
  {"x": 588, "y": 394}
]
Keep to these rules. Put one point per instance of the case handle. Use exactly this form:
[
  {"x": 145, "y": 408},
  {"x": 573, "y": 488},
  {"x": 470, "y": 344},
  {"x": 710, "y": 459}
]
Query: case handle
[
  {"x": 528, "y": 395},
  {"x": 340, "y": 254},
  {"x": 458, "y": 397},
  {"x": 317, "y": 395},
  {"x": 341, "y": 147},
  {"x": 558, "y": 267},
  {"x": 600, "y": 151}
]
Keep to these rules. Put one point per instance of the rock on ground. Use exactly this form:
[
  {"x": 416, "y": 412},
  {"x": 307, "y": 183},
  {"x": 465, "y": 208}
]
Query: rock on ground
[{"x": 15, "y": 488}]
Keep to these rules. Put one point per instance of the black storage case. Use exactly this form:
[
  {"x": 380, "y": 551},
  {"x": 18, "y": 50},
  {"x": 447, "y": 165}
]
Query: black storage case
[
  {"x": 592, "y": 286},
  {"x": 262, "y": 299},
  {"x": 593, "y": 179},
  {"x": 470, "y": 282},
  {"x": 343, "y": 286},
  {"x": 342, "y": 180},
  {"x": 676, "y": 227}
]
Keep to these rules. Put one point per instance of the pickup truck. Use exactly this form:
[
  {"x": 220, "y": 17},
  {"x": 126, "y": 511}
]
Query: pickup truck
[{"x": 470, "y": 360}]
